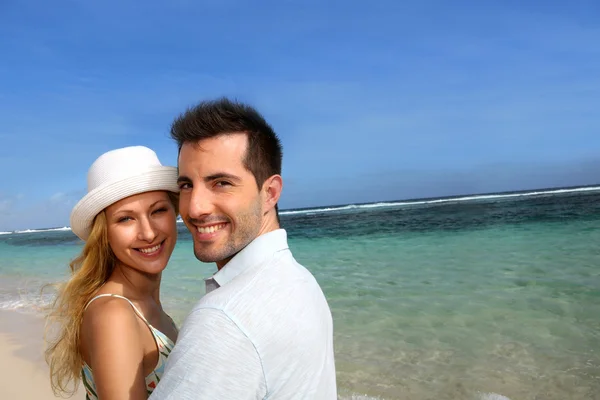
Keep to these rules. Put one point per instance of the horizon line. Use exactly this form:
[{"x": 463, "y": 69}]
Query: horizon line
[{"x": 397, "y": 202}]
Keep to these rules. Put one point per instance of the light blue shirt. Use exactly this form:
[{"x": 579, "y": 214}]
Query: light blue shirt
[{"x": 263, "y": 331}]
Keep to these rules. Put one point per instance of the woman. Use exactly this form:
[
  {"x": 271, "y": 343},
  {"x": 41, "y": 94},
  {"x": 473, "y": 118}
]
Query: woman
[{"x": 113, "y": 332}]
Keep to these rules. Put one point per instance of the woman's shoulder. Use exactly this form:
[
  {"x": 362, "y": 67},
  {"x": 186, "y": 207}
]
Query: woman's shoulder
[{"x": 110, "y": 313}]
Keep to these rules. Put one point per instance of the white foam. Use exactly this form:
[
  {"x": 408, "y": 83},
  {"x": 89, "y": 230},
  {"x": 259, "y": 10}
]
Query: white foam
[
  {"x": 14, "y": 304},
  {"x": 24, "y": 301},
  {"x": 480, "y": 396},
  {"x": 64, "y": 228},
  {"x": 438, "y": 201},
  {"x": 492, "y": 396},
  {"x": 319, "y": 210}
]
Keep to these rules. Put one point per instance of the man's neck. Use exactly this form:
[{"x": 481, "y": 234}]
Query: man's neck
[
  {"x": 223, "y": 263},
  {"x": 269, "y": 225}
]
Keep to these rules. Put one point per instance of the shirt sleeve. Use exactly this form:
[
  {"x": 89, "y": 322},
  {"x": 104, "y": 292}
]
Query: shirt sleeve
[{"x": 212, "y": 359}]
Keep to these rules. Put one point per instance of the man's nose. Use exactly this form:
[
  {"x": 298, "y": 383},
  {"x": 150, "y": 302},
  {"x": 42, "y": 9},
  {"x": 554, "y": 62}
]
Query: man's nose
[{"x": 200, "y": 203}]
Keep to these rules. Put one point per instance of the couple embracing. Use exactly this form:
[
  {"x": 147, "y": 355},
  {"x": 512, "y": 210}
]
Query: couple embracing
[{"x": 263, "y": 330}]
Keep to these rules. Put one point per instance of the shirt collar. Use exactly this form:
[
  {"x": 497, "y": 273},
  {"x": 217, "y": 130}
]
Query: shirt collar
[{"x": 258, "y": 250}]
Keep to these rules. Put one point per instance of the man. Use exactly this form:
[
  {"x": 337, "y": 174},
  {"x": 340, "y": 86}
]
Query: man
[{"x": 264, "y": 329}]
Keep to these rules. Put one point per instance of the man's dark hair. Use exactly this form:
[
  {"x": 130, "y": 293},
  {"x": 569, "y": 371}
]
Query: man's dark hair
[{"x": 213, "y": 118}]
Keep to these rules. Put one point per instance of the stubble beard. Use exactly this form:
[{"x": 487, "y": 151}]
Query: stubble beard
[{"x": 247, "y": 227}]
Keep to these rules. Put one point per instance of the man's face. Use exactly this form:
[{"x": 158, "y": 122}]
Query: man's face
[{"x": 219, "y": 200}]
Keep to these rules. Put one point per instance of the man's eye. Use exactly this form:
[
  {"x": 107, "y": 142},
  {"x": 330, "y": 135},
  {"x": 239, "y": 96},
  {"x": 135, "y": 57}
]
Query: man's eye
[
  {"x": 183, "y": 186},
  {"x": 223, "y": 183}
]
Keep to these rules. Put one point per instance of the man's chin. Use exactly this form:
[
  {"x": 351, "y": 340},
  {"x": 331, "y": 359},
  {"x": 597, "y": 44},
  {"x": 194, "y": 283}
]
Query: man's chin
[
  {"x": 216, "y": 252},
  {"x": 203, "y": 258},
  {"x": 210, "y": 257}
]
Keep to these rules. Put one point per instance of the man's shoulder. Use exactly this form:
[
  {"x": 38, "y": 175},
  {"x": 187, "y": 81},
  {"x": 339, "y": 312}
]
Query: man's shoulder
[
  {"x": 279, "y": 278},
  {"x": 285, "y": 269}
]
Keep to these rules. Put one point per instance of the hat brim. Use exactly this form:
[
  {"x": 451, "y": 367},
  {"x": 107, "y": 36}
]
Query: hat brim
[{"x": 84, "y": 212}]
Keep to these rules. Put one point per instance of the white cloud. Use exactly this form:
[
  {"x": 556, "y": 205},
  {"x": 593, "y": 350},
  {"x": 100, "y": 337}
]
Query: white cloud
[
  {"x": 5, "y": 206},
  {"x": 57, "y": 197}
]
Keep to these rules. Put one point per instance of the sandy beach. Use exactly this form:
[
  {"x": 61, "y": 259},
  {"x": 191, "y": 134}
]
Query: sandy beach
[{"x": 23, "y": 371}]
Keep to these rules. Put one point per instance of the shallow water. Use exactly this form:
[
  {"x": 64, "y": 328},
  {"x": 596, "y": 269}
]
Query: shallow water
[{"x": 430, "y": 301}]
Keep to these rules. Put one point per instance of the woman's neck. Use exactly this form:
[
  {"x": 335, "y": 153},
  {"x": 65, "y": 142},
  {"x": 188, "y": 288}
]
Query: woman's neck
[{"x": 136, "y": 285}]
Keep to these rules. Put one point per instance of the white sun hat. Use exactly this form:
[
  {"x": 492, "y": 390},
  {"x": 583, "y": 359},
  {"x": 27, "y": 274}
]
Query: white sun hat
[{"x": 116, "y": 175}]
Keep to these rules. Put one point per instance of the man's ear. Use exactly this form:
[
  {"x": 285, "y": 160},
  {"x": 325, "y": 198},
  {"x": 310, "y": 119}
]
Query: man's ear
[{"x": 272, "y": 188}]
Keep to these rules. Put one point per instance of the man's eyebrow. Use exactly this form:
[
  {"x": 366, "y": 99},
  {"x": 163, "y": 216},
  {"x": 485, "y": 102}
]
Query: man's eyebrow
[
  {"x": 221, "y": 175},
  {"x": 183, "y": 179}
]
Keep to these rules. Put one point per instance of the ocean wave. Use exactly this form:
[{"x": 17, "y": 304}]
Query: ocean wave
[
  {"x": 349, "y": 207},
  {"x": 341, "y": 208},
  {"x": 30, "y": 302},
  {"x": 478, "y": 396},
  {"x": 438, "y": 201},
  {"x": 64, "y": 228},
  {"x": 491, "y": 396}
]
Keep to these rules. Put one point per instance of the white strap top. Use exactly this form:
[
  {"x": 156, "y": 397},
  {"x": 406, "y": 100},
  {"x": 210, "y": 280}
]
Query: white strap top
[
  {"x": 163, "y": 343},
  {"x": 138, "y": 312}
]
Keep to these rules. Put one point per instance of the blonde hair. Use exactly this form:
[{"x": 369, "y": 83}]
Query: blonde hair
[{"x": 89, "y": 271}]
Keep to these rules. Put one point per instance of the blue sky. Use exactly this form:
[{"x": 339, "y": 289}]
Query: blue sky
[{"x": 373, "y": 101}]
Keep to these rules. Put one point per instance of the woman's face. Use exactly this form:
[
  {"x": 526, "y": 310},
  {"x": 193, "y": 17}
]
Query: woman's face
[{"x": 142, "y": 231}]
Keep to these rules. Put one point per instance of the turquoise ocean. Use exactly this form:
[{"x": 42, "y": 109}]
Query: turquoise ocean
[{"x": 445, "y": 298}]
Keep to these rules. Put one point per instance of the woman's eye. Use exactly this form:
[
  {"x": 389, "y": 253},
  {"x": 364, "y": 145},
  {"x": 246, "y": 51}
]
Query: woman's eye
[
  {"x": 163, "y": 209},
  {"x": 124, "y": 219}
]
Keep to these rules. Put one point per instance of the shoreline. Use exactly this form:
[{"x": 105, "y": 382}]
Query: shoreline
[{"x": 23, "y": 370}]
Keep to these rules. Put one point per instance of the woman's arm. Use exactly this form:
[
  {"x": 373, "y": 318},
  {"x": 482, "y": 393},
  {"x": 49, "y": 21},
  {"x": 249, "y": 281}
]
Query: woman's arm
[{"x": 113, "y": 339}]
